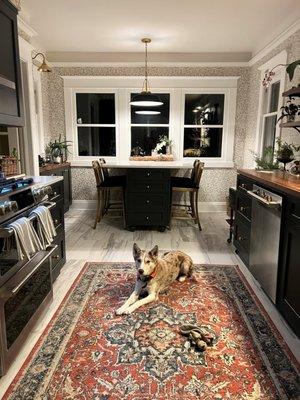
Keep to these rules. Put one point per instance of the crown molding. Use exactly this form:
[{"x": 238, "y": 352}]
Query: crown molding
[
  {"x": 130, "y": 64},
  {"x": 275, "y": 42},
  {"x": 26, "y": 28}
]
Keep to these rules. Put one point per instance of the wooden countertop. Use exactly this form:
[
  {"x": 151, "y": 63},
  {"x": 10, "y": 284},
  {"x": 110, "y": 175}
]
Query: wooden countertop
[
  {"x": 279, "y": 180},
  {"x": 51, "y": 167}
]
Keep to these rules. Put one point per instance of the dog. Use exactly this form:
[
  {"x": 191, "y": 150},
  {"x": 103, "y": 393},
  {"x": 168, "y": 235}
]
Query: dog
[{"x": 155, "y": 275}]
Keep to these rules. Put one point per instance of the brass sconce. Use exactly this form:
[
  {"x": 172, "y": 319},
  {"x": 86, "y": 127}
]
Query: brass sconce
[{"x": 44, "y": 67}]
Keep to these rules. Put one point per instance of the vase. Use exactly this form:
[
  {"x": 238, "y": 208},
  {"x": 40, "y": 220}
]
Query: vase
[{"x": 168, "y": 149}]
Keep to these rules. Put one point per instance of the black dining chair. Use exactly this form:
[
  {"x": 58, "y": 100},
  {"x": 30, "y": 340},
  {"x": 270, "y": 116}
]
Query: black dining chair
[
  {"x": 105, "y": 184},
  {"x": 188, "y": 185}
]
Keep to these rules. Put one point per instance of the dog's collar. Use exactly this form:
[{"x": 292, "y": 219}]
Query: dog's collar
[{"x": 153, "y": 274}]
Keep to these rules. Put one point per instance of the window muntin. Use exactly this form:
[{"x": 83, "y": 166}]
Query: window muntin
[
  {"x": 96, "y": 124},
  {"x": 203, "y": 124},
  {"x": 269, "y": 116},
  {"x": 147, "y": 129}
]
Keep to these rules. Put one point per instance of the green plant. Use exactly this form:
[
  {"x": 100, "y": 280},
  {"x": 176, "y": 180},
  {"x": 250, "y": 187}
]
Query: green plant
[
  {"x": 266, "y": 161},
  {"x": 290, "y": 69},
  {"x": 165, "y": 139},
  {"x": 289, "y": 110},
  {"x": 285, "y": 150},
  {"x": 59, "y": 147}
]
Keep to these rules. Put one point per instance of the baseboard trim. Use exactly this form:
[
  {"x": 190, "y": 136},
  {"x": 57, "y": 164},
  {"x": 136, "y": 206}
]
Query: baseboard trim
[{"x": 212, "y": 206}]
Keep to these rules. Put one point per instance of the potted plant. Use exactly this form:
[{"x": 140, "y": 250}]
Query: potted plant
[
  {"x": 59, "y": 150},
  {"x": 164, "y": 142},
  {"x": 285, "y": 152},
  {"x": 290, "y": 110},
  {"x": 266, "y": 161}
]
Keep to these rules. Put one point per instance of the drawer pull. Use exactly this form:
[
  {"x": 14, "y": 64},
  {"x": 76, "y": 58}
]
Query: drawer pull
[
  {"x": 56, "y": 221},
  {"x": 243, "y": 208},
  {"x": 56, "y": 257},
  {"x": 55, "y": 193},
  {"x": 147, "y": 201},
  {"x": 148, "y": 173},
  {"x": 240, "y": 238},
  {"x": 148, "y": 187},
  {"x": 147, "y": 218}
]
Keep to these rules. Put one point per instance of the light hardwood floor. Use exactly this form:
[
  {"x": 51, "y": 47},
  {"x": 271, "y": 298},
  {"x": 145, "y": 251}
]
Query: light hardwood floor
[{"x": 110, "y": 242}]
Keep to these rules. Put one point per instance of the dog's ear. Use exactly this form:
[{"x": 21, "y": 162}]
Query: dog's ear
[
  {"x": 154, "y": 252},
  {"x": 136, "y": 250}
]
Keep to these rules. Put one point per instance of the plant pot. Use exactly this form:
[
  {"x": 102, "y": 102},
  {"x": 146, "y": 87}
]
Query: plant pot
[{"x": 57, "y": 160}]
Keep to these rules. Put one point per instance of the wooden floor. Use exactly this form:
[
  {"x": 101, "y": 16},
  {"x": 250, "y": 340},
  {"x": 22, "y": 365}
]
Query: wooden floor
[{"x": 110, "y": 242}]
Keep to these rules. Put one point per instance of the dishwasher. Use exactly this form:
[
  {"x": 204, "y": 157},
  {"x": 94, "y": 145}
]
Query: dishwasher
[{"x": 265, "y": 236}]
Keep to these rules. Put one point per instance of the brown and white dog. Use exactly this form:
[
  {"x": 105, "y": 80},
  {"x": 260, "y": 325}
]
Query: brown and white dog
[{"x": 155, "y": 275}]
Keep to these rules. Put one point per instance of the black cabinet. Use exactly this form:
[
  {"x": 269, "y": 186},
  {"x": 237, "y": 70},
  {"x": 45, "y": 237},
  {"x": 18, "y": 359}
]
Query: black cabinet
[
  {"x": 288, "y": 294},
  {"x": 11, "y": 105},
  {"x": 147, "y": 198},
  {"x": 59, "y": 255},
  {"x": 63, "y": 170},
  {"x": 242, "y": 222}
]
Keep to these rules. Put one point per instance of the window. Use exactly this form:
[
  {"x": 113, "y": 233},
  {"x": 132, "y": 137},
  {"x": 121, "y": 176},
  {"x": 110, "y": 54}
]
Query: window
[
  {"x": 96, "y": 124},
  {"x": 197, "y": 115},
  {"x": 203, "y": 125},
  {"x": 269, "y": 116},
  {"x": 147, "y": 129}
]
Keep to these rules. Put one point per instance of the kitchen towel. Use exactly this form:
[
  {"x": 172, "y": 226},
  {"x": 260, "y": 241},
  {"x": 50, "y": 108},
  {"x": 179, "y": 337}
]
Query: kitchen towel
[
  {"x": 45, "y": 226},
  {"x": 26, "y": 238}
]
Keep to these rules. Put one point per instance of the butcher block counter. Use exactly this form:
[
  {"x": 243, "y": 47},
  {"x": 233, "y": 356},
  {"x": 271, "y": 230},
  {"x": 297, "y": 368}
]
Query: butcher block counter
[{"x": 278, "y": 180}]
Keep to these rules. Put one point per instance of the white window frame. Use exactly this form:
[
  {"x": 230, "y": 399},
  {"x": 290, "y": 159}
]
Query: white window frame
[
  {"x": 280, "y": 76},
  {"x": 177, "y": 87}
]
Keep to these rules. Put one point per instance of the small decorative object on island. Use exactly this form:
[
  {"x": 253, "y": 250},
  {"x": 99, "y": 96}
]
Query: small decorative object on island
[
  {"x": 266, "y": 161},
  {"x": 285, "y": 152},
  {"x": 58, "y": 150},
  {"x": 164, "y": 144}
]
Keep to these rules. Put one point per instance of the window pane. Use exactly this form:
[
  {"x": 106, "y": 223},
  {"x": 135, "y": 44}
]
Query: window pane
[
  {"x": 162, "y": 118},
  {"x": 274, "y": 96},
  {"x": 204, "y": 142},
  {"x": 269, "y": 131},
  {"x": 204, "y": 109},
  {"x": 95, "y": 108},
  {"x": 96, "y": 141},
  {"x": 147, "y": 137}
]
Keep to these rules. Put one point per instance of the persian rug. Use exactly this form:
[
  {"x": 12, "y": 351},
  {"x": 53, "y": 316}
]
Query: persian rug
[{"x": 87, "y": 352}]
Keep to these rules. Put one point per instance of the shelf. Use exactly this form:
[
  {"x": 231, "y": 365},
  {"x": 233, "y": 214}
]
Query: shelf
[
  {"x": 294, "y": 91},
  {"x": 294, "y": 124}
]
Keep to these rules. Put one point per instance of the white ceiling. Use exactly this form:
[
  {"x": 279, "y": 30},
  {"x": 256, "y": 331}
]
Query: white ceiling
[{"x": 174, "y": 25}]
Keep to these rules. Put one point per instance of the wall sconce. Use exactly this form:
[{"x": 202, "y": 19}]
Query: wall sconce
[{"x": 44, "y": 67}]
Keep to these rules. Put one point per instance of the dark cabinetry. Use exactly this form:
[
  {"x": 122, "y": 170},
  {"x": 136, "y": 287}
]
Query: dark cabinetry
[
  {"x": 242, "y": 225},
  {"x": 63, "y": 170},
  {"x": 11, "y": 106},
  {"x": 147, "y": 198},
  {"x": 289, "y": 265},
  {"x": 59, "y": 255}
]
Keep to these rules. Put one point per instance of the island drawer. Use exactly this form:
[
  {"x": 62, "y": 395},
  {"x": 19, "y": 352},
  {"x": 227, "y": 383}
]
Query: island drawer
[
  {"x": 146, "y": 175},
  {"x": 143, "y": 202}
]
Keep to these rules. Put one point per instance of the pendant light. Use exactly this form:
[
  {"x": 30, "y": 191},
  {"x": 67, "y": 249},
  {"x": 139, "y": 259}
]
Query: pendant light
[{"x": 146, "y": 98}]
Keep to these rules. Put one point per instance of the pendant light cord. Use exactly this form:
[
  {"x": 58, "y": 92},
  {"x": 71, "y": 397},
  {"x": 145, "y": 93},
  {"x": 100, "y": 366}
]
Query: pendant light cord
[{"x": 146, "y": 66}]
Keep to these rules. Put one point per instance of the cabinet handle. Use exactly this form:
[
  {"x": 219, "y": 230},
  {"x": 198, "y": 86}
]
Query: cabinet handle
[
  {"x": 147, "y": 201},
  {"x": 242, "y": 208},
  {"x": 56, "y": 221},
  {"x": 56, "y": 256},
  {"x": 148, "y": 173},
  {"x": 147, "y": 218},
  {"x": 148, "y": 187},
  {"x": 55, "y": 193},
  {"x": 240, "y": 238}
]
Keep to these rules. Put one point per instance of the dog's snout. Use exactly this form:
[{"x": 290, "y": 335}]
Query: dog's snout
[{"x": 141, "y": 271}]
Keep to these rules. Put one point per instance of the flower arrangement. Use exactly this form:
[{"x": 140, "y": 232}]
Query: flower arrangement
[{"x": 164, "y": 141}]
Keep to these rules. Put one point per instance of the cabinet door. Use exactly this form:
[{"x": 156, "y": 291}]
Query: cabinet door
[
  {"x": 289, "y": 273},
  {"x": 11, "y": 107}
]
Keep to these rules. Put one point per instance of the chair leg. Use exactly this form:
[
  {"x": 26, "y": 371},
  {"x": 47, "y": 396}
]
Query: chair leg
[
  {"x": 98, "y": 212},
  {"x": 197, "y": 213},
  {"x": 192, "y": 196},
  {"x": 123, "y": 211},
  {"x": 107, "y": 200}
]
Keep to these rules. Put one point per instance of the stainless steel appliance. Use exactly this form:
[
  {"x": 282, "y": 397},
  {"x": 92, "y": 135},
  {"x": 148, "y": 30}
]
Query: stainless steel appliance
[
  {"x": 26, "y": 285},
  {"x": 265, "y": 235}
]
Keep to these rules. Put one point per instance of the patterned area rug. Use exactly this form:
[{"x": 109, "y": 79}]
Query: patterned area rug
[{"x": 89, "y": 353}]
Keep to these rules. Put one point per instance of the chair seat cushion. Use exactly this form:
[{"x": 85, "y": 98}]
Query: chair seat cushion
[
  {"x": 182, "y": 182},
  {"x": 114, "y": 181}
]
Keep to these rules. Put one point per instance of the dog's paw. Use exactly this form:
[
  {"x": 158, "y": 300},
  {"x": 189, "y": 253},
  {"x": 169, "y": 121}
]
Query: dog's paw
[
  {"x": 182, "y": 278},
  {"x": 120, "y": 311},
  {"x": 128, "y": 311}
]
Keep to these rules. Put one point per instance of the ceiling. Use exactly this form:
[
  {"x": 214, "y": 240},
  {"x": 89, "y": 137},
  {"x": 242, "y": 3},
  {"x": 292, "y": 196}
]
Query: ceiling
[{"x": 193, "y": 26}]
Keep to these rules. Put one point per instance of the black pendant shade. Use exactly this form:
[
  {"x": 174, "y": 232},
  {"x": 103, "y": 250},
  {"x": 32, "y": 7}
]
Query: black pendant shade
[{"x": 146, "y": 99}]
